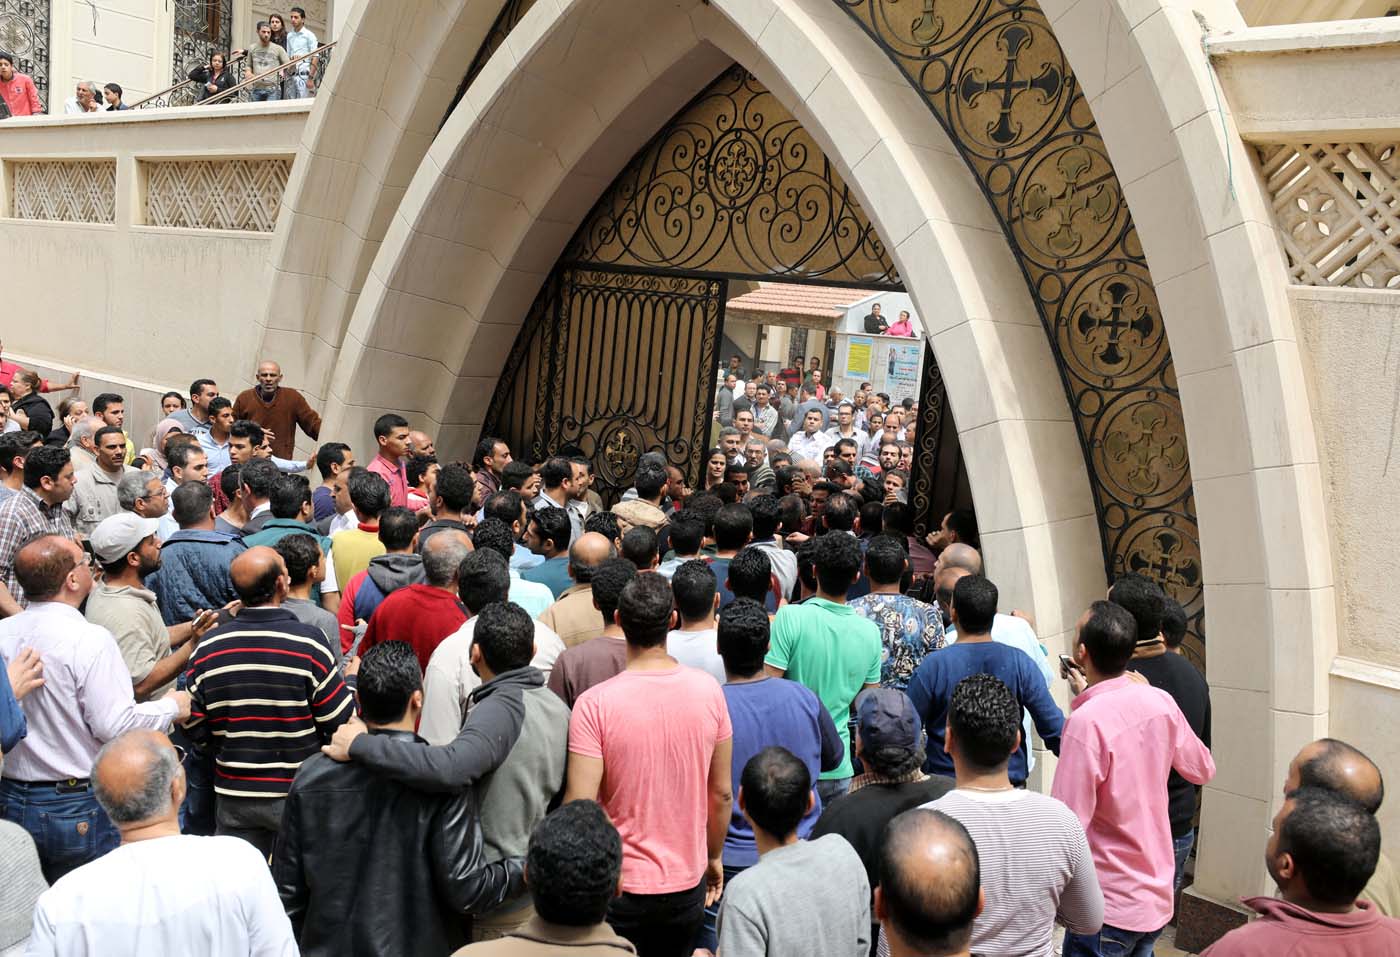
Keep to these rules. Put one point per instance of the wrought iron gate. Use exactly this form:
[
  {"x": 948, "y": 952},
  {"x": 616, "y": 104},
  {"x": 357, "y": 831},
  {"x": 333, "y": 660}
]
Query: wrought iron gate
[
  {"x": 202, "y": 28},
  {"x": 24, "y": 34},
  {"x": 612, "y": 366},
  {"x": 940, "y": 482}
]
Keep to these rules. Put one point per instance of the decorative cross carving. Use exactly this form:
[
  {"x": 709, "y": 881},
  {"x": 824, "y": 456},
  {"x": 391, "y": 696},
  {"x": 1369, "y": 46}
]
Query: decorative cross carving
[
  {"x": 1155, "y": 448},
  {"x": 1163, "y": 561},
  {"x": 1095, "y": 198},
  {"x": 1117, "y": 312},
  {"x": 1013, "y": 39}
]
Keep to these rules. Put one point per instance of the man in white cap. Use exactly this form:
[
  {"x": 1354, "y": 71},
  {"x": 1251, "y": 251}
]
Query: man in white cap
[{"x": 128, "y": 549}]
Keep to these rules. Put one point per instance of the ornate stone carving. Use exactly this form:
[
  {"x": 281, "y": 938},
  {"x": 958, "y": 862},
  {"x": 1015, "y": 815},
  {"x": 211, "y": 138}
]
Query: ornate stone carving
[
  {"x": 74, "y": 192},
  {"x": 1338, "y": 210},
  {"x": 216, "y": 194}
]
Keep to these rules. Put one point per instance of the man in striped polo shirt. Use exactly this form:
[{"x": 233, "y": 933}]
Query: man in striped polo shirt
[{"x": 267, "y": 694}]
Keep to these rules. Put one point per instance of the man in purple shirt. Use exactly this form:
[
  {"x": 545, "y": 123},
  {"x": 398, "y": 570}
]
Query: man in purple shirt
[
  {"x": 1118, "y": 746},
  {"x": 85, "y": 701},
  {"x": 391, "y": 433}
]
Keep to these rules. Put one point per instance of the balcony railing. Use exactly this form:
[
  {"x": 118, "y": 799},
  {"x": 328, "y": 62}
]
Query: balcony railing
[{"x": 186, "y": 92}]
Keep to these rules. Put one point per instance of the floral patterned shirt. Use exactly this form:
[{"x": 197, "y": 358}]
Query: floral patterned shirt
[{"x": 909, "y": 630}]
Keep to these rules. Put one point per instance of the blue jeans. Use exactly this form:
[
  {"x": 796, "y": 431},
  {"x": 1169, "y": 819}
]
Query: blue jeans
[
  {"x": 68, "y": 827},
  {"x": 831, "y": 789},
  {"x": 264, "y": 94},
  {"x": 708, "y": 937},
  {"x": 1181, "y": 848},
  {"x": 1112, "y": 942}
]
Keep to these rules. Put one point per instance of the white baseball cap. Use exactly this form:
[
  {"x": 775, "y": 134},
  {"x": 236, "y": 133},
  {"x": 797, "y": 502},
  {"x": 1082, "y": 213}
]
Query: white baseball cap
[{"x": 119, "y": 534}]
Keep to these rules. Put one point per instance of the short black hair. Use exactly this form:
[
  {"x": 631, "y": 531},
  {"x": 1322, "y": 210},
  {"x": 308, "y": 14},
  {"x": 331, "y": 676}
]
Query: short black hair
[
  {"x": 933, "y": 916},
  {"x": 259, "y": 476},
  {"x": 644, "y": 609},
  {"x": 604, "y": 523},
  {"x": 742, "y": 637},
  {"x": 247, "y": 429},
  {"x": 963, "y": 521},
  {"x": 733, "y": 527},
  {"x": 767, "y": 516},
  {"x": 783, "y": 477},
  {"x": 105, "y": 431},
  {"x": 197, "y": 386},
  {"x": 609, "y": 578},
  {"x": 639, "y": 546},
  {"x": 1326, "y": 769},
  {"x": 751, "y": 574},
  {"x": 985, "y": 718},
  {"x": 44, "y": 462},
  {"x": 837, "y": 560},
  {"x": 554, "y": 525},
  {"x": 1173, "y": 623},
  {"x": 178, "y": 456},
  {"x": 387, "y": 423},
  {"x": 191, "y": 502},
  {"x": 707, "y": 506},
  {"x": 506, "y": 636},
  {"x": 1143, "y": 598},
  {"x": 369, "y": 493},
  {"x": 504, "y": 506},
  {"x": 885, "y": 560},
  {"x": 872, "y": 518},
  {"x": 574, "y": 861},
  {"x": 103, "y": 400},
  {"x": 726, "y": 492},
  {"x": 1334, "y": 842},
  {"x": 455, "y": 486},
  {"x": 417, "y": 466},
  {"x": 516, "y": 474},
  {"x": 301, "y": 552},
  {"x": 496, "y": 535},
  {"x": 218, "y": 404},
  {"x": 807, "y": 563},
  {"x": 840, "y": 513},
  {"x": 694, "y": 587},
  {"x": 230, "y": 479},
  {"x": 483, "y": 578},
  {"x": 485, "y": 448},
  {"x": 1109, "y": 635},
  {"x": 12, "y": 446},
  {"x": 650, "y": 480},
  {"x": 397, "y": 526},
  {"x": 556, "y": 470},
  {"x": 794, "y": 511},
  {"x": 776, "y": 787},
  {"x": 389, "y": 674},
  {"x": 687, "y": 532},
  {"x": 289, "y": 494},
  {"x": 975, "y": 603}
]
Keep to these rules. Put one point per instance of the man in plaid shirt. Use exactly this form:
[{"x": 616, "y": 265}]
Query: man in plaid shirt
[{"x": 36, "y": 509}]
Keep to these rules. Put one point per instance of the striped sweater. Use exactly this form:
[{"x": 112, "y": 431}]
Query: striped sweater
[{"x": 266, "y": 695}]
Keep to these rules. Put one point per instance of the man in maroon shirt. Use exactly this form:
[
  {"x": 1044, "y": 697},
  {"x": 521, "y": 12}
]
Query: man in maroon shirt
[
  {"x": 424, "y": 614},
  {"x": 1321, "y": 854}
]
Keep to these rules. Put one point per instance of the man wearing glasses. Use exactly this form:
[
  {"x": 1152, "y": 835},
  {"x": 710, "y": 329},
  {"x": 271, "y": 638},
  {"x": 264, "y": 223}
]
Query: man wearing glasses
[{"x": 86, "y": 700}]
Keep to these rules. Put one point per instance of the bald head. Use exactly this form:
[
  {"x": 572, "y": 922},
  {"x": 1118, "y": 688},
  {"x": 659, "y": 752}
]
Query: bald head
[
  {"x": 1337, "y": 767},
  {"x": 586, "y": 554},
  {"x": 135, "y": 776},
  {"x": 421, "y": 442},
  {"x": 43, "y": 568},
  {"x": 930, "y": 882},
  {"x": 945, "y": 580},
  {"x": 960, "y": 555},
  {"x": 259, "y": 577}
]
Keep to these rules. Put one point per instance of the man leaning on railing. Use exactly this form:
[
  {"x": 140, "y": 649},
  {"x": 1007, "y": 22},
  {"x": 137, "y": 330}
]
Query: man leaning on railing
[{"x": 264, "y": 57}]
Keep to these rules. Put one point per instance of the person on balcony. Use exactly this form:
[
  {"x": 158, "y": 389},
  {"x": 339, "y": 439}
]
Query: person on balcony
[
  {"x": 300, "y": 41},
  {"x": 85, "y": 99},
  {"x": 264, "y": 58},
  {"x": 901, "y": 326},
  {"x": 17, "y": 89},
  {"x": 112, "y": 93},
  {"x": 216, "y": 77}
]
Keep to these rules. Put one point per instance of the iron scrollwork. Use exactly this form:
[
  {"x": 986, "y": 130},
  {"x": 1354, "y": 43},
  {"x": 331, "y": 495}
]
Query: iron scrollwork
[
  {"x": 995, "y": 77},
  {"x": 202, "y": 28},
  {"x": 24, "y": 34}
]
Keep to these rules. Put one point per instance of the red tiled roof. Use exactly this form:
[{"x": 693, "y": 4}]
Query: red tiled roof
[{"x": 810, "y": 302}]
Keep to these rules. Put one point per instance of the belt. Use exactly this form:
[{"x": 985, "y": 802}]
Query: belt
[{"x": 68, "y": 786}]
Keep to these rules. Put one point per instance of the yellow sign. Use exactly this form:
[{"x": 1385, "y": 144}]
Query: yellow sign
[{"x": 858, "y": 356}]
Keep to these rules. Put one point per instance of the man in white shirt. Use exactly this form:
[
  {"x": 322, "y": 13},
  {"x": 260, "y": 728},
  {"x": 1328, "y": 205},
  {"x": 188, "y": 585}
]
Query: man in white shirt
[
  {"x": 696, "y": 641},
  {"x": 86, "y": 700},
  {"x": 811, "y": 442},
  {"x": 160, "y": 892},
  {"x": 300, "y": 40},
  {"x": 451, "y": 675}
]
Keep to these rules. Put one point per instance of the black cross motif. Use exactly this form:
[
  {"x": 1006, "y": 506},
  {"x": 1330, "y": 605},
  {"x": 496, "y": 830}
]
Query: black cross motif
[
  {"x": 1013, "y": 39},
  {"x": 1120, "y": 298},
  {"x": 1162, "y": 563}
]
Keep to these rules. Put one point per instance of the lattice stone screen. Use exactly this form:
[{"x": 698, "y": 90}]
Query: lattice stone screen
[
  {"x": 61, "y": 190},
  {"x": 1337, "y": 206},
  {"x": 240, "y": 194}
]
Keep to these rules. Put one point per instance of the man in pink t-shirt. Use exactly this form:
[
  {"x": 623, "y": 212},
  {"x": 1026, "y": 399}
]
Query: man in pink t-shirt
[
  {"x": 1119, "y": 745},
  {"x": 653, "y": 747},
  {"x": 391, "y": 434},
  {"x": 17, "y": 89}
]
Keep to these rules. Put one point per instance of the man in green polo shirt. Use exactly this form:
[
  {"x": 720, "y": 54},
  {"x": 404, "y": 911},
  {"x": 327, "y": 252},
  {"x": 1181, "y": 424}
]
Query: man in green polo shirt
[{"x": 826, "y": 646}]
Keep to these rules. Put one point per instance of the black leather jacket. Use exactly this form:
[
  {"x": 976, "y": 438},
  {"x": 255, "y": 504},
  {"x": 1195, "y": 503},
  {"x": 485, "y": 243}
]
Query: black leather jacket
[{"x": 367, "y": 866}]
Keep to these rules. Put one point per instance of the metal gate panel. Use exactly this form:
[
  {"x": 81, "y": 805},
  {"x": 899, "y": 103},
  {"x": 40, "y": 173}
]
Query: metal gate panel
[{"x": 24, "y": 34}]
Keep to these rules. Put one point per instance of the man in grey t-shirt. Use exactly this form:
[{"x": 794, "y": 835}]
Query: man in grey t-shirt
[
  {"x": 264, "y": 56},
  {"x": 802, "y": 897}
]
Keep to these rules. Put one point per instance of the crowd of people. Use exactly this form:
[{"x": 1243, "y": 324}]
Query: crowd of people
[
  {"x": 280, "y": 40},
  {"x": 432, "y": 707}
]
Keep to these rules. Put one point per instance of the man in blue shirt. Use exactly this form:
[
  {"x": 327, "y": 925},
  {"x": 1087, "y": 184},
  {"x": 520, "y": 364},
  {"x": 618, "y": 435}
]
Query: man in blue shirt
[{"x": 931, "y": 688}]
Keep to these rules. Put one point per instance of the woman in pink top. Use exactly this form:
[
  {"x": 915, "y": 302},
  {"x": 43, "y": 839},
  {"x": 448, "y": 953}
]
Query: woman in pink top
[
  {"x": 901, "y": 326},
  {"x": 17, "y": 90}
]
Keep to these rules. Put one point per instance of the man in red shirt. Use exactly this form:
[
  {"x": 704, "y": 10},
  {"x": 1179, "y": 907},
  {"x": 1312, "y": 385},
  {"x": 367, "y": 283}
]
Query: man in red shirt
[
  {"x": 17, "y": 89},
  {"x": 424, "y": 614},
  {"x": 391, "y": 433},
  {"x": 1321, "y": 854}
]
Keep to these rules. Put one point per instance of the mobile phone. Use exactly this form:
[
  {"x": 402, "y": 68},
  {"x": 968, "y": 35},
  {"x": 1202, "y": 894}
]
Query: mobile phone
[{"x": 1068, "y": 664}]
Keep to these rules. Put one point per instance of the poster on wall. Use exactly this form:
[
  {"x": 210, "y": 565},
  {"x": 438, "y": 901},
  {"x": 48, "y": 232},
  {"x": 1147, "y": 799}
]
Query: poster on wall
[
  {"x": 902, "y": 370},
  {"x": 858, "y": 353}
]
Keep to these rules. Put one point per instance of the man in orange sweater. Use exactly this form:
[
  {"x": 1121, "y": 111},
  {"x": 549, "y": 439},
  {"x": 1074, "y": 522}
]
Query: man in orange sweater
[{"x": 277, "y": 409}]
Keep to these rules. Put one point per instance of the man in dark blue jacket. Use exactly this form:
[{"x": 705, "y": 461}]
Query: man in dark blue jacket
[{"x": 194, "y": 563}]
